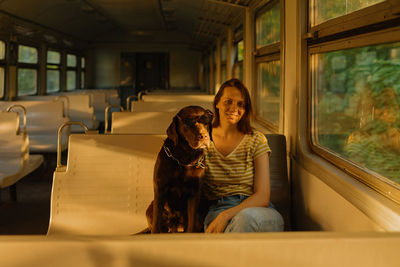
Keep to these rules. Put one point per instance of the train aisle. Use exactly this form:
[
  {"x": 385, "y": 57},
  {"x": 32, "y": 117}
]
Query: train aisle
[{"x": 30, "y": 214}]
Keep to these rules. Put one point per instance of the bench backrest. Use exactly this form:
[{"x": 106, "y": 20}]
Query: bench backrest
[
  {"x": 280, "y": 190},
  {"x": 107, "y": 186},
  {"x": 141, "y": 122},
  {"x": 176, "y": 98},
  {"x": 172, "y": 106}
]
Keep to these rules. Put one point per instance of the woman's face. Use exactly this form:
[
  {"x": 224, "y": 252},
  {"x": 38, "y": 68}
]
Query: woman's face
[{"x": 231, "y": 106}]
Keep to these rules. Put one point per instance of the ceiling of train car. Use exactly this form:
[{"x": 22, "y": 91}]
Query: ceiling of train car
[{"x": 197, "y": 21}]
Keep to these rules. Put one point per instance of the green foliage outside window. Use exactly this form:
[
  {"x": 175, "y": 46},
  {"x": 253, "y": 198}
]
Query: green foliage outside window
[
  {"x": 71, "y": 80},
  {"x": 357, "y": 97},
  {"x": 1, "y": 82},
  {"x": 2, "y": 50},
  {"x": 268, "y": 91},
  {"x": 268, "y": 29},
  {"x": 27, "y": 54},
  {"x": 328, "y": 9},
  {"x": 27, "y": 81}
]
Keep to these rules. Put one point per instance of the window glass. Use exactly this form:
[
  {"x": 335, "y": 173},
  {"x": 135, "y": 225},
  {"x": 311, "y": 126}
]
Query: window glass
[
  {"x": 238, "y": 71},
  {"x": 2, "y": 50},
  {"x": 27, "y": 81},
  {"x": 82, "y": 79},
  {"x": 223, "y": 51},
  {"x": 83, "y": 63},
  {"x": 328, "y": 9},
  {"x": 268, "y": 91},
  {"x": 71, "y": 60},
  {"x": 223, "y": 74},
  {"x": 356, "y": 99},
  {"x": 53, "y": 81},
  {"x": 27, "y": 54},
  {"x": 53, "y": 57},
  {"x": 240, "y": 50},
  {"x": 2, "y": 82},
  {"x": 71, "y": 80},
  {"x": 268, "y": 29}
]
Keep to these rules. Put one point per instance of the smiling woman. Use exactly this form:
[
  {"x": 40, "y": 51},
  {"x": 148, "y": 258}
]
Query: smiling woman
[{"x": 237, "y": 168}]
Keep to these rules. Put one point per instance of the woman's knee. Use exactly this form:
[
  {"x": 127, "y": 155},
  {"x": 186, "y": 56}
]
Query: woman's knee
[{"x": 256, "y": 219}]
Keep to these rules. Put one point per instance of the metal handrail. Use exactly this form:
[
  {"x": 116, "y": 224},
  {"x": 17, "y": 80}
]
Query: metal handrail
[
  {"x": 67, "y": 101},
  {"x": 128, "y": 101},
  {"x": 59, "y": 139},
  {"x": 23, "y": 112},
  {"x": 106, "y": 115}
]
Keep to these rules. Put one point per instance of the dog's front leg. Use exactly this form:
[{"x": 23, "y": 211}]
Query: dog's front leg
[{"x": 158, "y": 209}]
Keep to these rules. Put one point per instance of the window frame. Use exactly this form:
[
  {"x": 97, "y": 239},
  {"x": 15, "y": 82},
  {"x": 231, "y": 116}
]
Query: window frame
[
  {"x": 35, "y": 66},
  {"x": 82, "y": 70},
  {"x": 362, "y": 36},
  {"x": 238, "y": 37},
  {"x": 269, "y": 53}
]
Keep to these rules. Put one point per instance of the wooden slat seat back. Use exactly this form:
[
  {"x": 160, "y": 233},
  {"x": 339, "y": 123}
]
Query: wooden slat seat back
[
  {"x": 141, "y": 122},
  {"x": 15, "y": 161},
  {"x": 79, "y": 109},
  {"x": 280, "y": 190},
  {"x": 99, "y": 102},
  {"x": 107, "y": 185},
  {"x": 43, "y": 118},
  {"x": 171, "y": 106},
  {"x": 176, "y": 98}
]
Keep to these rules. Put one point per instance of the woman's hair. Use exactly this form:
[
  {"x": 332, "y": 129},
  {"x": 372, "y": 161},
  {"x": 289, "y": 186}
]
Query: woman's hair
[{"x": 244, "y": 123}]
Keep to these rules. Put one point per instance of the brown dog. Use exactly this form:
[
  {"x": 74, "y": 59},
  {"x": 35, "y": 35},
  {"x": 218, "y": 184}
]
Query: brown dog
[{"x": 178, "y": 173}]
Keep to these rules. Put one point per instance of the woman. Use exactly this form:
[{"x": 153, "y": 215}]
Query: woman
[{"x": 237, "y": 173}]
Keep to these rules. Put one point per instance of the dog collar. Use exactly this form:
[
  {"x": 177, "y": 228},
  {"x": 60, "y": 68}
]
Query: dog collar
[{"x": 198, "y": 164}]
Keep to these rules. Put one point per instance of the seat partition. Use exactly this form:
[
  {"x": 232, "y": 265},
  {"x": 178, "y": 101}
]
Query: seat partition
[
  {"x": 170, "y": 106},
  {"x": 106, "y": 186},
  {"x": 141, "y": 122}
]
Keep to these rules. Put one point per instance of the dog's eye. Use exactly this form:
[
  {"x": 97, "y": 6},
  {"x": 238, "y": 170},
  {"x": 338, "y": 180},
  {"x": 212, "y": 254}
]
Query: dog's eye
[
  {"x": 189, "y": 121},
  {"x": 204, "y": 119}
]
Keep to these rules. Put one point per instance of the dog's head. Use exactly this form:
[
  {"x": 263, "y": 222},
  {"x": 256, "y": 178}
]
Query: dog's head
[{"x": 193, "y": 125}]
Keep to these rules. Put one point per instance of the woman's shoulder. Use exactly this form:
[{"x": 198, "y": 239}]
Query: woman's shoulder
[{"x": 256, "y": 134}]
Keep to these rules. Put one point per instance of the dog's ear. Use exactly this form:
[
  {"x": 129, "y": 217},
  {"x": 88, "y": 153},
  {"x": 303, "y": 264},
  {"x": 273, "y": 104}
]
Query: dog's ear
[{"x": 172, "y": 131}]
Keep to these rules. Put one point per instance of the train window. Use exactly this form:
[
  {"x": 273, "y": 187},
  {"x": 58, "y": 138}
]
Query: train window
[
  {"x": 355, "y": 97},
  {"x": 268, "y": 90},
  {"x": 2, "y": 50},
  {"x": 71, "y": 72},
  {"x": 83, "y": 71},
  {"x": 27, "y": 72},
  {"x": 223, "y": 61},
  {"x": 268, "y": 30},
  {"x": 324, "y": 10},
  {"x": 71, "y": 80},
  {"x": 27, "y": 54},
  {"x": 238, "y": 65},
  {"x": 53, "y": 71},
  {"x": 2, "y": 67}
]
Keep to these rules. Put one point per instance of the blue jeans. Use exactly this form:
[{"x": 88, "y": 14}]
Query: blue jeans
[{"x": 253, "y": 219}]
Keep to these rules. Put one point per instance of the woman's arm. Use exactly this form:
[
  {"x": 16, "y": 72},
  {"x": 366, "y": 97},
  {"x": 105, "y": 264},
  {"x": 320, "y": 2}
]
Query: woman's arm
[{"x": 260, "y": 197}]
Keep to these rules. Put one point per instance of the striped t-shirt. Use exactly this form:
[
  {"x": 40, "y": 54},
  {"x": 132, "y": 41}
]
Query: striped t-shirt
[{"x": 233, "y": 174}]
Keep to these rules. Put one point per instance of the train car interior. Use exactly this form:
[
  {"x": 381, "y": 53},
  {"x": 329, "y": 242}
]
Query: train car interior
[{"x": 88, "y": 89}]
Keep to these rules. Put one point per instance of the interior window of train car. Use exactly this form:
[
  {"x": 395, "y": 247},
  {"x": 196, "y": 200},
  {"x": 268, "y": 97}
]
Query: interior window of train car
[
  {"x": 268, "y": 90},
  {"x": 238, "y": 50},
  {"x": 83, "y": 71},
  {"x": 53, "y": 71},
  {"x": 27, "y": 72},
  {"x": 355, "y": 101},
  {"x": 2, "y": 67},
  {"x": 214, "y": 51},
  {"x": 223, "y": 61},
  {"x": 71, "y": 72}
]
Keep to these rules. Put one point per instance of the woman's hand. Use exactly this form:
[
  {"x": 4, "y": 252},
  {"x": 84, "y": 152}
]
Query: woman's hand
[{"x": 219, "y": 224}]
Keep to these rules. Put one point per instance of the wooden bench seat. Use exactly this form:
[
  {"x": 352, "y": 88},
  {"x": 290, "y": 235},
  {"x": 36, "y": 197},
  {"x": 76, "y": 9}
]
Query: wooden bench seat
[
  {"x": 106, "y": 189},
  {"x": 176, "y": 98},
  {"x": 15, "y": 160},
  {"x": 141, "y": 122},
  {"x": 171, "y": 106},
  {"x": 79, "y": 108},
  {"x": 112, "y": 184},
  {"x": 43, "y": 118}
]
